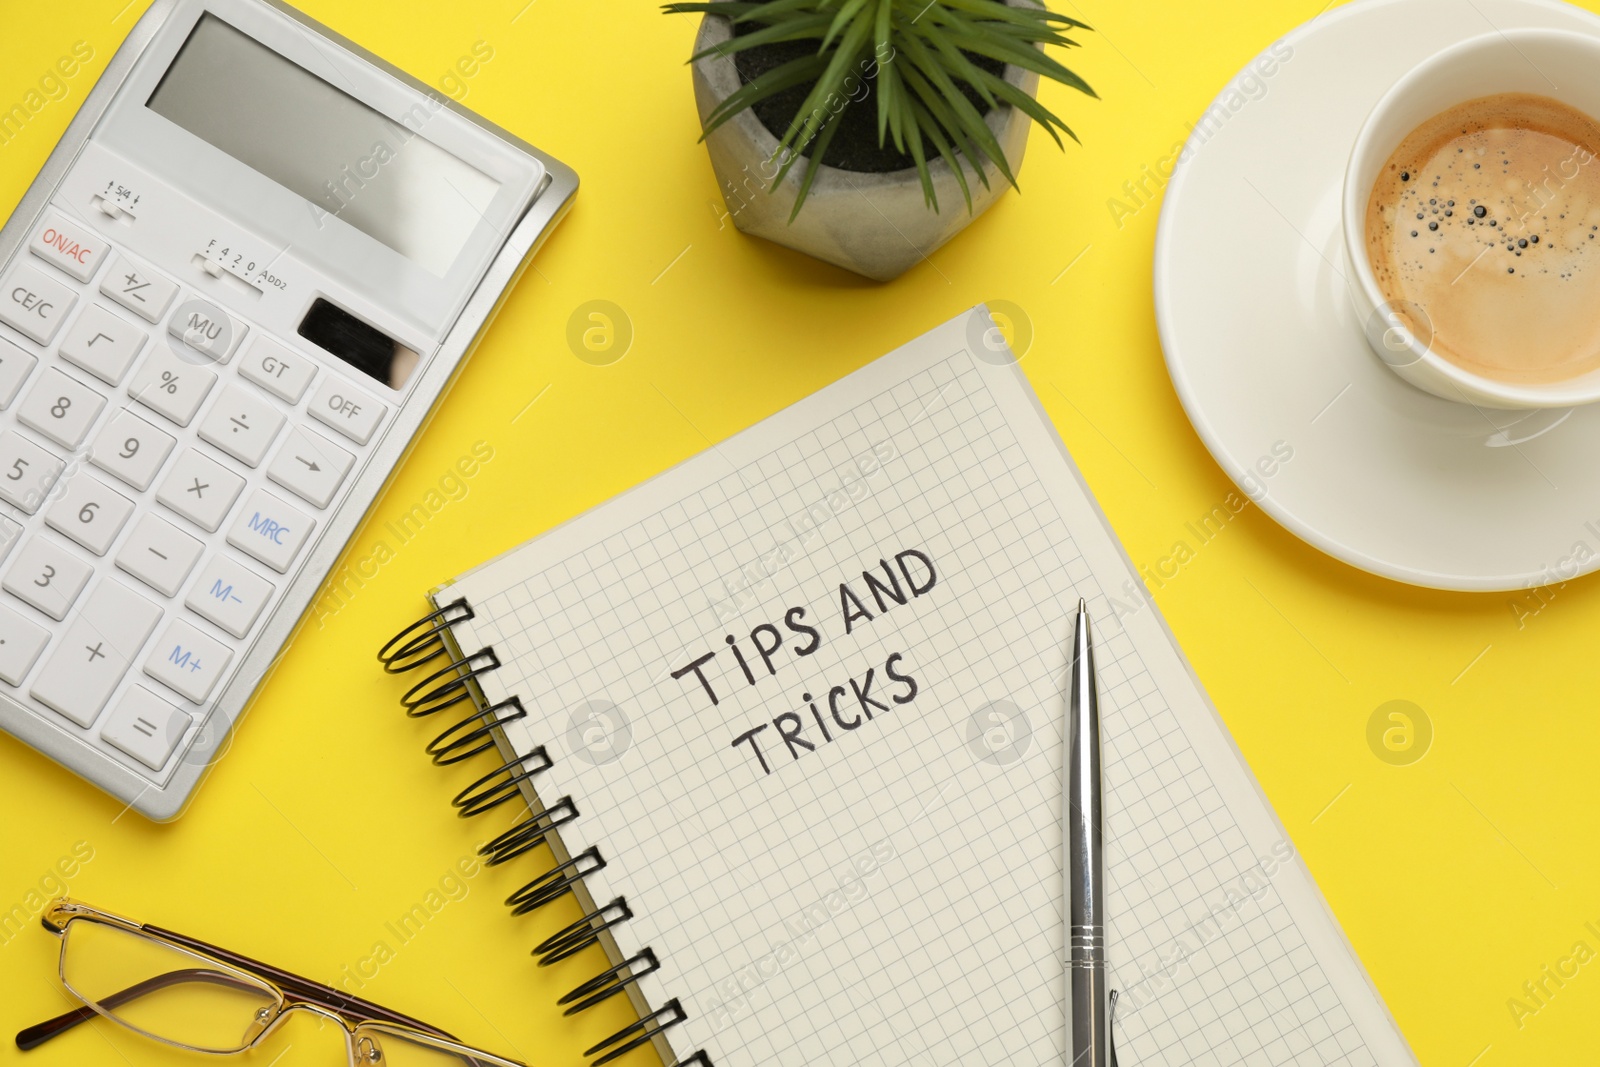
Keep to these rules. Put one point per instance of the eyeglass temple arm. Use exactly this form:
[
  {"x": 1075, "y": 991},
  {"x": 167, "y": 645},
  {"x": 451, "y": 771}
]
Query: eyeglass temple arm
[
  {"x": 36, "y": 1035},
  {"x": 291, "y": 984},
  {"x": 304, "y": 988}
]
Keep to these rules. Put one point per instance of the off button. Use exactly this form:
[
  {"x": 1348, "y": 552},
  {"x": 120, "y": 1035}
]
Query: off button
[{"x": 352, "y": 413}]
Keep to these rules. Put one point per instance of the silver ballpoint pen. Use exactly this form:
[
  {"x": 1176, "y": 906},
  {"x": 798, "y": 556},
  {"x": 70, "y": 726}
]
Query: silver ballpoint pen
[{"x": 1088, "y": 992}]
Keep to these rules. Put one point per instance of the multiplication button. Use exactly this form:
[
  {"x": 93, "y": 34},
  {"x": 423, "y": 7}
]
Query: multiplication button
[{"x": 200, "y": 489}]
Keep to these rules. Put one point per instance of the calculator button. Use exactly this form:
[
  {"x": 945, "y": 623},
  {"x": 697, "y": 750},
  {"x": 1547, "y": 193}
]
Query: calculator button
[
  {"x": 171, "y": 386},
  {"x": 102, "y": 344},
  {"x": 27, "y": 472},
  {"x": 282, "y": 373},
  {"x": 35, "y": 303},
  {"x": 68, "y": 246},
  {"x": 187, "y": 660},
  {"x": 10, "y": 533},
  {"x": 144, "y": 294},
  {"x": 228, "y": 595},
  {"x": 242, "y": 425},
  {"x": 270, "y": 530},
  {"x": 207, "y": 329},
  {"x": 95, "y": 652},
  {"x": 21, "y": 641},
  {"x": 146, "y": 727},
  {"x": 131, "y": 449},
  {"x": 310, "y": 467},
  {"x": 47, "y": 576},
  {"x": 89, "y": 513},
  {"x": 159, "y": 554},
  {"x": 200, "y": 489},
  {"x": 14, "y": 367},
  {"x": 352, "y": 413},
  {"x": 61, "y": 407}
]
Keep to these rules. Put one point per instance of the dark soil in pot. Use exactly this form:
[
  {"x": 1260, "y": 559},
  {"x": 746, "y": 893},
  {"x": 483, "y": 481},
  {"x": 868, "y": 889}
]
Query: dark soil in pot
[{"x": 855, "y": 145}]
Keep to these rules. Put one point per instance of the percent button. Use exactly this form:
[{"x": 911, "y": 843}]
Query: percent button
[{"x": 170, "y": 386}]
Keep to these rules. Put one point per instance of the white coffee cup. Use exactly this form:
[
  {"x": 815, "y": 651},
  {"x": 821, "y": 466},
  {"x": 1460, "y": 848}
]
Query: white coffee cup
[{"x": 1558, "y": 64}]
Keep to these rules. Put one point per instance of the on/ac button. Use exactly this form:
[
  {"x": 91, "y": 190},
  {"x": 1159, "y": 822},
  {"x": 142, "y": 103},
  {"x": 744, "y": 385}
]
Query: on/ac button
[{"x": 68, "y": 246}]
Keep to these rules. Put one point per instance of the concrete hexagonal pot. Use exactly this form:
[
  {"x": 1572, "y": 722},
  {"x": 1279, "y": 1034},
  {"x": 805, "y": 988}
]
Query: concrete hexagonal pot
[{"x": 876, "y": 225}]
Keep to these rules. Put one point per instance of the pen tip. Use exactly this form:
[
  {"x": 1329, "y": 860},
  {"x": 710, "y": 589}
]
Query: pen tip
[{"x": 1082, "y": 605}]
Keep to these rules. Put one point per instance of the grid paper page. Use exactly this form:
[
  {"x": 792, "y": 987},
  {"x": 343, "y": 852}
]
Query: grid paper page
[{"x": 873, "y": 875}]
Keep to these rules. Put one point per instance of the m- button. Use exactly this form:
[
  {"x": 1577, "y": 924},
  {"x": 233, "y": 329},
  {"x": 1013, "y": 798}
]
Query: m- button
[
  {"x": 352, "y": 413},
  {"x": 34, "y": 302}
]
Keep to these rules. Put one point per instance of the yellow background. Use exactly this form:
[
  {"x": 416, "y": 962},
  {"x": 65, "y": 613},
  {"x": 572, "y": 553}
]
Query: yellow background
[{"x": 1457, "y": 877}]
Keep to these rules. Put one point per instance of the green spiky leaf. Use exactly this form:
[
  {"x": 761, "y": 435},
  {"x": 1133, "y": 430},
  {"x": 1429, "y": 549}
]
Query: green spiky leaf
[{"x": 921, "y": 60}]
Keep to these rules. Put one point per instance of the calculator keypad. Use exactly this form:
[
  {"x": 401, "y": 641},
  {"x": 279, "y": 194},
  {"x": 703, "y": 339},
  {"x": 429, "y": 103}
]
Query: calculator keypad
[
  {"x": 154, "y": 490},
  {"x": 61, "y": 408}
]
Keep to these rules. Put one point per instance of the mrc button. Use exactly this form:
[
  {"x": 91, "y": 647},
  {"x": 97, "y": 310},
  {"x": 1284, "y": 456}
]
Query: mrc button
[
  {"x": 351, "y": 412},
  {"x": 34, "y": 302},
  {"x": 270, "y": 530}
]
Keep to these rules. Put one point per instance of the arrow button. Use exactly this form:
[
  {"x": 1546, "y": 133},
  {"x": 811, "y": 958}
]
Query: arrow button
[{"x": 311, "y": 467}]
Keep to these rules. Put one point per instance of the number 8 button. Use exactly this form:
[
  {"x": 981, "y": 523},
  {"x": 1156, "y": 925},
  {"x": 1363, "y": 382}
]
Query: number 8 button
[{"x": 61, "y": 408}]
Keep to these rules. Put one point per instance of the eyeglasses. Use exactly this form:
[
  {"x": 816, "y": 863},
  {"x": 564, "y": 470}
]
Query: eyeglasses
[{"x": 184, "y": 992}]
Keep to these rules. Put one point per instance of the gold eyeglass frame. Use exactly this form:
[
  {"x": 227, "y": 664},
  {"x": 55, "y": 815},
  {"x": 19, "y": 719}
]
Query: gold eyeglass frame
[{"x": 361, "y": 1021}]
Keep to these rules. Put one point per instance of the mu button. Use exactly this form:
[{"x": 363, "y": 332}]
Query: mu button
[{"x": 270, "y": 530}]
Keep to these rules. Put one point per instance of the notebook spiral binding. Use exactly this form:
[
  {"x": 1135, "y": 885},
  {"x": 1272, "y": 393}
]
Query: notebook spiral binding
[{"x": 422, "y": 644}]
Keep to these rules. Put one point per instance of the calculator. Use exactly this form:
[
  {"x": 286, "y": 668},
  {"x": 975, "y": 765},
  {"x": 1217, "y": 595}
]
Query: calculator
[{"x": 228, "y": 304}]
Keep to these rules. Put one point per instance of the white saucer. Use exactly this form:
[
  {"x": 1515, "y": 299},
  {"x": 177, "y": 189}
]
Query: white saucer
[{"x": 1265, "y": 351}]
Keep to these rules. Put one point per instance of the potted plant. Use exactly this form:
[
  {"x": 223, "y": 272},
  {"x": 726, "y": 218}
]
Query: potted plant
[{"x": 867, "y": 133}]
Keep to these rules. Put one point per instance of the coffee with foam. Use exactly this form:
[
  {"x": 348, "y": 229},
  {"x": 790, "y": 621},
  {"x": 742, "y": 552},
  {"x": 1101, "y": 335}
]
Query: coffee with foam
[{"x": 1487, "y": 219}]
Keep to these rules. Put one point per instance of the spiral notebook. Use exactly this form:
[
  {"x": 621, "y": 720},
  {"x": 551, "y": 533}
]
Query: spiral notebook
[{"x": 790, "y": 717}]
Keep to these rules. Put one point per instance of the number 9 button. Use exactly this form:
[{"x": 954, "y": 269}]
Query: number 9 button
[{"x": 131, "y": 449}]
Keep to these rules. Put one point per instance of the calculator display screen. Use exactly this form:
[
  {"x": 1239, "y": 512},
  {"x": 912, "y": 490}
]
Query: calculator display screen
[{"x": 344, "y": 158}]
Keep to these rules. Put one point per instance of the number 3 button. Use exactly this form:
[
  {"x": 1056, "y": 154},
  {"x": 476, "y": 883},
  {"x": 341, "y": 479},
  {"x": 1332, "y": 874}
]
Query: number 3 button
[{"x": 131, "y": 449}]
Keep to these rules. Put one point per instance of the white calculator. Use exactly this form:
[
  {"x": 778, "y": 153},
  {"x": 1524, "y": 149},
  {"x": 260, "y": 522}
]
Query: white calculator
[{"x": 228, "y": 303}]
